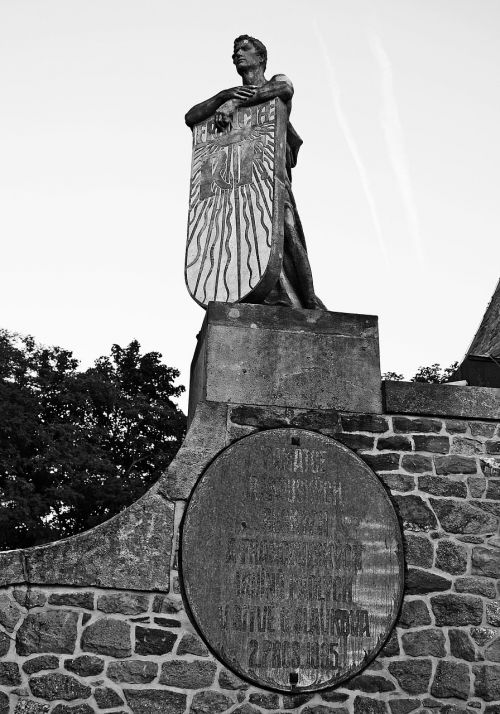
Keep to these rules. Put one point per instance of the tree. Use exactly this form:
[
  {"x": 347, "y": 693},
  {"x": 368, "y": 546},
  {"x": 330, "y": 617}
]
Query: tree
[
  {"x": 435, "y": 374},
  {"x": 76, "y": 447}
]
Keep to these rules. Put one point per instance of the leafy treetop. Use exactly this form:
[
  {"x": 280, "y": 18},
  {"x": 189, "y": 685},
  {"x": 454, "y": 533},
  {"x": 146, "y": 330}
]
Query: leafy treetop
[{"x": 76, "y": 447}]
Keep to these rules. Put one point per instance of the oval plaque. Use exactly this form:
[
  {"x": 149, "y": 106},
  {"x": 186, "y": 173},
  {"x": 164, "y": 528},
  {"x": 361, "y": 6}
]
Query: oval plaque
[{"x": 291, "y": 560}]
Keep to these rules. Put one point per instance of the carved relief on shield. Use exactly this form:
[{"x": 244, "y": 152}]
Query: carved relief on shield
[{"x": 235, "y": 224}]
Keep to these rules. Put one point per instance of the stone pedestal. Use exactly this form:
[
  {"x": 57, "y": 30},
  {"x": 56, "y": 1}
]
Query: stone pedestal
[{"x": 275, "y": 356}]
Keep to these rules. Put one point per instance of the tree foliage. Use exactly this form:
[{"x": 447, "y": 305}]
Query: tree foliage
[
  {"x": 435, "y": 374},
  {"x": 76, "y": 447}
]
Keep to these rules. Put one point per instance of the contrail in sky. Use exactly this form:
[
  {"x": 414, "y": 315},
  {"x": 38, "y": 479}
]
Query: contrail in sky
[
  {"x": 394, "y": 137},
  {"x": 351, "y": 143}
]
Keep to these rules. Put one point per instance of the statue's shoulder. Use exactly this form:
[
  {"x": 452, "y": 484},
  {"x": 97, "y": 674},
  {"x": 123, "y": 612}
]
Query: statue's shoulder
[{"x": 282, "y": 78}]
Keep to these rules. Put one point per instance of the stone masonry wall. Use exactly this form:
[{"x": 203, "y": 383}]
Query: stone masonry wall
[{"x": 85, "y": 650}]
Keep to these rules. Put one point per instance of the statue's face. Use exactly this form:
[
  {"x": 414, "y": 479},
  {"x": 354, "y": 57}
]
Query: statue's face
[{"x": 246, "y": 56}]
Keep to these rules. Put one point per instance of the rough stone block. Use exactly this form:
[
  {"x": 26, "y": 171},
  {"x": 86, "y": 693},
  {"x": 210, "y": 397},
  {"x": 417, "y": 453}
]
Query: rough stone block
[
  {"x": 47, "y": 631},
  {"x": 362, "y": 705},
  {"x": 67, "y": 709},
  {"x": 482, "y": 428},
  {"x": 9, "y": 612},
  {"x": 476, "y": 586},
  {"x": 356, "y": 441},
  {"x": 493, "y": 447},
  {"x": 37, "y": 664},
  {"x": 490, "y": 466},
  {"x": 189, "y": 675},
  {"x": 58, "y": 686},
  {"x": 370, "y": 423},
  {"x": 191, "y": 644},
  {"x": 391, "y": 647},
  {"x": 493, "y": 613},
  {"x": 492, "y": 652},
  {"x": 477, "y": 486},
  {"x": 228, "y": 680},
  {"x": 442, "y": 486},
  {"x": 451, "y": 557},
  {"x": 482, "y": 635},
  {"x": 420, "y": 582},
  {"x": 455, "y": 610},
  {"x": 412, "y": 675},
  {"x": 256, "y": 354},
  {"x": 29, "y": 598},
  {"x": 409, "y": 425},
  {"x": 370, "y": 684},
  {"x": 4, "y": 643},
  {"x": 453, "y": 464},
  {"x": 403, "y": 706},
  {"x": 164, "y": 621},
  {"x": 493, "y": 489},
  {"x": 416, "y": 463},
  {"x": 382, "y": 462},
  {"x": 85, "y": 665},
  {"x": 433, "y": 444},
  {"x": 150, "y": 640},
  {"x": 107, "y": 636},
  {"x": 486, "y": 561},
  {"x": 210, "y": 702},
  {"x": 107, "y": 698},
  {"x": 9, "y": 674},
  {"x": 394, "y": 443},
  {"x": 398, "y": 481},
  {"x": 424, "y": 643},
  {"x": 25, "y": 706},
  {"x": 467, "y": 447},
  {"x": 124, "y": 603},
  {"x": 83, "y": 600},
  {"x": 415, "y": 513},
  {"x": 328, "y": 696},
  {"x": 487, "y": 681},
  {"x": 155, "y": 701},
  {"x": 167, "y": 604},
  {"x": 414, "y": 613},
  {"x": 132, "y": 671},
  {"x": 463, "y": 518},
  {"x": 461, "y": 646},
  {"x": 455, "y": 426},
  {"x": 266, "y": 701},
  {"x": 441, "y": 399},
  {"x": 452, "y": 680},
  {"x": 250, "y": 709}
]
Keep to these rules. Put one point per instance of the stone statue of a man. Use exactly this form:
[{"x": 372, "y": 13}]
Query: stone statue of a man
[{"x": 295, "y": 284}]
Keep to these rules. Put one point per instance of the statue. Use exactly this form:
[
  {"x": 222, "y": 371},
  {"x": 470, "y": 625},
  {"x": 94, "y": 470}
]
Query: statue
[{"x": 232, "y": 147}]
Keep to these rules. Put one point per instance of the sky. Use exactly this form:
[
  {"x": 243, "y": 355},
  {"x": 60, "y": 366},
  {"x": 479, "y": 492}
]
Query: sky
[{"x": 397, "y": 182}]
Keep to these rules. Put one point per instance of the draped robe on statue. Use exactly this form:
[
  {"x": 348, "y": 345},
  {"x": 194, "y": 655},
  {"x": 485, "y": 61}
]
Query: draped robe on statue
[{"x": 294, "y": 288}]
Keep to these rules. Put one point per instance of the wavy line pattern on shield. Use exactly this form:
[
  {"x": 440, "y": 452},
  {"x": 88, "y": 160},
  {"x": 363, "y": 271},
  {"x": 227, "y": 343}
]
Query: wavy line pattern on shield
[{"x": 231, "y": 207}]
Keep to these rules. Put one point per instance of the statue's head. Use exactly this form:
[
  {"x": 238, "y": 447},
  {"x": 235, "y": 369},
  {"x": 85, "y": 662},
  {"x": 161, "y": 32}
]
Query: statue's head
[{"x": 248, "y": 51}]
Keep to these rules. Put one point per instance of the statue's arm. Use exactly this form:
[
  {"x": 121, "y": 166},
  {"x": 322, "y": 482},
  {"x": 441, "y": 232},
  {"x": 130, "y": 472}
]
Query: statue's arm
[
  {"x": 205, "y": 109},
  {"x": 278, "y": 86}
]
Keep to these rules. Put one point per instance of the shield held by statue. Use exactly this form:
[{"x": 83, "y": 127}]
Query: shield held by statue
[{"x": 235, "y": 227}]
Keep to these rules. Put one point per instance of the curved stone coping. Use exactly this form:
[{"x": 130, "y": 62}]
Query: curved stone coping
[
  {"x": 131, "y": 551},
  {"x": 441, "y": 400}
]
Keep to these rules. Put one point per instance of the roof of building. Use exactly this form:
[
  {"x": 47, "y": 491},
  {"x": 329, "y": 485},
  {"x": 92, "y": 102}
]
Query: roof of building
[
  {"x": 486, "y": 342},
  {"x": 481, "y": 365}
]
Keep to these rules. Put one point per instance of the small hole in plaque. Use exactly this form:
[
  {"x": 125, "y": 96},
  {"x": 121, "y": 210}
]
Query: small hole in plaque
[{"x": 295, "y": 441}]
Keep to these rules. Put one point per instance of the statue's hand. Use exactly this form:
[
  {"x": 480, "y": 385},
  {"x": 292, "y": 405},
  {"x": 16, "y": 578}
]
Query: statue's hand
[
  {"x": 240, "y": 93},
  {"x": 224, "y": 113}
]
